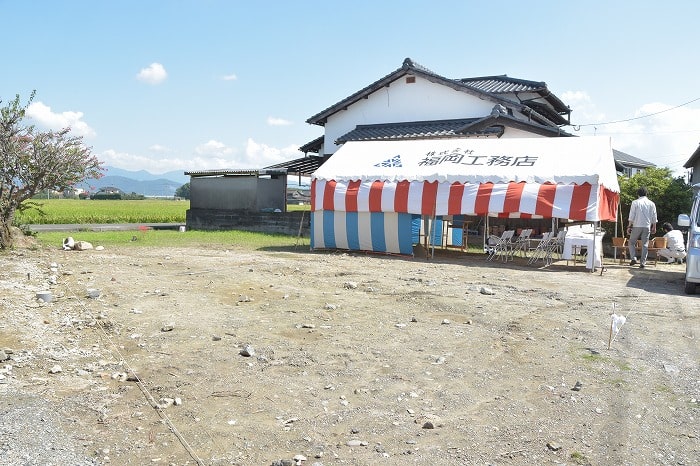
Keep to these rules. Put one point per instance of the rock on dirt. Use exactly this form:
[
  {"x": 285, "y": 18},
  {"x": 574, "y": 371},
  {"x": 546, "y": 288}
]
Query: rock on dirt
[{"x": 345, "y": 359}]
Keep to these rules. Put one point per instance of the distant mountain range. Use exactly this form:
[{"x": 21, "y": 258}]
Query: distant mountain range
[
  {"x": 139, "y": 182},
  {"x": 143, "y": 182}
]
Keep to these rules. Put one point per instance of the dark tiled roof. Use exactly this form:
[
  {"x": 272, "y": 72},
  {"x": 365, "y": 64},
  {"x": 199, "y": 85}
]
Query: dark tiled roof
[
  {"x": 499, "y": 119},
  {"x": 506, "y": 85},
  {"x": 503, "y": 84},
  {"x": 409, "y": 67},
  {"x": 484, "y": 88},
  {"x": 693, "y": 158},
  {"x": 301, "y": 166},
  {"x": 488, "y": 126},
  {"x": 313, "y": 146},
  {"x": 547, "y": 112},
  {"x": 630, "y": 160},
  {"x": 416, "y": 130}
]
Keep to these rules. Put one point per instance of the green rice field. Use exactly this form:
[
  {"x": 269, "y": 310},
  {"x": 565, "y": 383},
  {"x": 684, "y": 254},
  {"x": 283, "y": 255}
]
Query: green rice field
[
  {"x": 83, "y": 211},
  {"x": 172, "y": 238}
]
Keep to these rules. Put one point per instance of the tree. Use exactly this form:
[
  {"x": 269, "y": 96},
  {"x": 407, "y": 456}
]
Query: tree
[
  {"x": 672, "y": 196},
  {"x": 32, "y": 161},
  {"x": 183, "y": 191}
]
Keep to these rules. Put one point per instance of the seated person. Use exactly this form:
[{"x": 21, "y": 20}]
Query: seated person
[{"x": 675, "y": 249}]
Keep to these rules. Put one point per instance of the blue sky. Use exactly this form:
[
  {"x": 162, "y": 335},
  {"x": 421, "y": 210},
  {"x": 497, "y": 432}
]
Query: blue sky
[{"x": 189, "y": 85}]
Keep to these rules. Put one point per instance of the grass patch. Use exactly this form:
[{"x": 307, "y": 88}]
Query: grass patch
[
  {"x": 82, "y": 211},
  {"x": 663, "y": 389},
  {"x": 623, "y": 366},
  {"x": 594, "y": 357},
  {"x": 192, "y": 238},
  {"x": 617, "y": 382},
  {"x": 578, "y": 458},
  {"x": 86, "y": 211}
]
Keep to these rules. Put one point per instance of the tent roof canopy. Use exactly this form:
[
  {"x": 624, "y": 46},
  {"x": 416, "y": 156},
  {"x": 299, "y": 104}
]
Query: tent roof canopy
[{"x": 467, "y": 160}]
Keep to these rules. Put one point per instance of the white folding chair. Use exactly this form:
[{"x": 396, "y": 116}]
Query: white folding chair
[
  {"x": 501, "y": 246},
  {"x": 556, "y": 246},
  {"x": 540, "y": 252},
  {"x": 522, "y": 242}
]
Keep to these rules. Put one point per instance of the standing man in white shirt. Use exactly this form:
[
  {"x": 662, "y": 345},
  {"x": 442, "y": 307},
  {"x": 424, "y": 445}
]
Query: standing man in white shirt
[
  {"x": 642, "y": 223},
  {"x": 675, "y": 247}
]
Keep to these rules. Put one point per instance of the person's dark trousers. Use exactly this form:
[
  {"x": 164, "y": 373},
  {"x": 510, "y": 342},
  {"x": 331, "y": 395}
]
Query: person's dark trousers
[{"x": 639, "y": 233}]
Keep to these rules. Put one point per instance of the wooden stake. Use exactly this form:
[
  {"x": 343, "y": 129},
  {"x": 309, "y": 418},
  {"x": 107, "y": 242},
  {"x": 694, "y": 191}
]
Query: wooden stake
[{"x": 612, "y": 321}]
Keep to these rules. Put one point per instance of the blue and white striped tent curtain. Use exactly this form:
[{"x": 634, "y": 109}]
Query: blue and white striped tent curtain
[{"x": 387, "y": 232}]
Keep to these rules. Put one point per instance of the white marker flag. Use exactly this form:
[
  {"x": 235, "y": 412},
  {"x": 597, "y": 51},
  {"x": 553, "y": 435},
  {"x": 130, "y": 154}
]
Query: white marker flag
[{"x": 617, "y": 323}]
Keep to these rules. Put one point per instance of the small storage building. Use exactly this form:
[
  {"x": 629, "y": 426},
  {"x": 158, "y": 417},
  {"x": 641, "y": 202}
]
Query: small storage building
[
  {"x": 250, "y": 200},
  {"x": 240, "y": 190}
]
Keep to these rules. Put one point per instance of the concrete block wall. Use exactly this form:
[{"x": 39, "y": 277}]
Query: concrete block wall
[{"x": 286, "y": 223}]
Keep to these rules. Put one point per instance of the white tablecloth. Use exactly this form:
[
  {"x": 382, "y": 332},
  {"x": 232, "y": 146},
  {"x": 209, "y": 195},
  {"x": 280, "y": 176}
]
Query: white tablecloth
[{"x": 584, "y": 241}]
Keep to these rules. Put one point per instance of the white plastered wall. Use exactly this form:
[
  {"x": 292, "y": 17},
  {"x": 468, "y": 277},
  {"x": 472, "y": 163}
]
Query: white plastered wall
[{"x": 405, "y": 102}]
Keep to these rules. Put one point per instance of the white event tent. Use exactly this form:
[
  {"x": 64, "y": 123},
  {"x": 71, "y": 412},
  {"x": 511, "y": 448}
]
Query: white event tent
[{"x": 370, "y": 195}]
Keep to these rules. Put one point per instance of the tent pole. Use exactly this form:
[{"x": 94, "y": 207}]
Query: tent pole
[
  {"x": 618, "y": 218},
  {"x": 487, "y": 228},
  {"x": 426, "y": 233},
  {"x": 595, "y": 235},
  {"x": 433, "y": 228}
]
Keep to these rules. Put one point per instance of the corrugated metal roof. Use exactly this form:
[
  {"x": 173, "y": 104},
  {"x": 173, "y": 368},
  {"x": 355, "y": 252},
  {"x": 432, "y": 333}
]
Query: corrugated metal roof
[
  {"x": 236, "y": 172},
  {"x": 301, "y": 166}
]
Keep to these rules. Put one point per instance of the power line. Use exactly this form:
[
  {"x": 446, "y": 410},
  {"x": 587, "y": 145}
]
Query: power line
[
  {"x": 650, "y": 133},
  {"x": 577, "y": 127}
]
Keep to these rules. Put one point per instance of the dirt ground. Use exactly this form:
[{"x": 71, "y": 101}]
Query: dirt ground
[{"x": 226, "y": 356}]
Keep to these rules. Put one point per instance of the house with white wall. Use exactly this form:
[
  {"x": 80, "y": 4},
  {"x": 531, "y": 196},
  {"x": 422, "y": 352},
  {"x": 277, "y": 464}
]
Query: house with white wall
[
  {"x": 693, "y": 164},
  {"x": 414, "y": 102}
]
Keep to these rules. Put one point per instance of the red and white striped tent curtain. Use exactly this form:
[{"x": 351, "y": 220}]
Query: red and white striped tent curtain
[
  {"x": 572, "y": 178},
  {"x": 584, "y": 202}
]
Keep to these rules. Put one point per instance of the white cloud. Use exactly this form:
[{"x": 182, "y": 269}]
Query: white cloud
[
  {"x": 213, "y": 148},
  {"x": 159, "y": 149},
  {"x": 262, "y": 155},
  {"x": 272, "y": 121},
  {"x": 230, "y": 77},
  {"x": 667, "y": 139},
  {"x": 43, "y": 115},
  {"x": 154, "y": 74},
  {"x": 211, "y": 155},
  {"x": 129, "y": 161},
  {"x": 159, "y": 165},
  {"x": 583, "y": 110}
]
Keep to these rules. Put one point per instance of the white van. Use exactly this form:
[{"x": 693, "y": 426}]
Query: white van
[{"x": 692, "y": 260}]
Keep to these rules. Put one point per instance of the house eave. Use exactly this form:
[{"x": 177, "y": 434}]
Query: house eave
[
  {"x": 508, "y": 121},
  {"x": 693, "y": 159},
  {"x": 410, "y": 68}
]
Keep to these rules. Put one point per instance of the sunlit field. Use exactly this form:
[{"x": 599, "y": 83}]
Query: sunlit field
[
  {"x": 162, "y": 238},
  {"x": 83, "y": 211}
]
